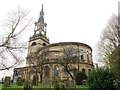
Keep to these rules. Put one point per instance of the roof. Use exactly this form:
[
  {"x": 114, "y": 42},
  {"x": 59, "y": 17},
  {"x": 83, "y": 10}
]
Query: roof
[{"x": 67, "y": 43}]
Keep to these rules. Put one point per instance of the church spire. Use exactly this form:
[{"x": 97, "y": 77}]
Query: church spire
[
  {"x": 41, "y": 18},
  {"x": 40, "y": 26}
]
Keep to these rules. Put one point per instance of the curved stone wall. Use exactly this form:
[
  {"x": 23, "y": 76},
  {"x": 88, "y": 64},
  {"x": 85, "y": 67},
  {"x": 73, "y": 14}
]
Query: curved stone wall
[{"x": 55, "y": 55}]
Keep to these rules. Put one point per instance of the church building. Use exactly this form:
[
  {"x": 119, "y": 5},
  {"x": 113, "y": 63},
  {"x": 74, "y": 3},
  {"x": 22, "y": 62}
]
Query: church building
[{"x": 56, "y": 60}]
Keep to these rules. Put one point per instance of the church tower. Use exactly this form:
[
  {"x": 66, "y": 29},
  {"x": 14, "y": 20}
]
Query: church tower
[{"x": 39, "y": 39}]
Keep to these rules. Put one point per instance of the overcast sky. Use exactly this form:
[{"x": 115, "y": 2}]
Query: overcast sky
[{"x": 67, "y": 20}]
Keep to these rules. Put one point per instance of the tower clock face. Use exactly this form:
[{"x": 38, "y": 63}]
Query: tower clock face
[{"x": 37, "y": 32}]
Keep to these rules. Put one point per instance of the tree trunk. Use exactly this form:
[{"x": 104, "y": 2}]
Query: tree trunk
[
  {"x": 40, "y": 77},
  {"x": 69, "y": 73},
  {"x": 41, "y": 73}
]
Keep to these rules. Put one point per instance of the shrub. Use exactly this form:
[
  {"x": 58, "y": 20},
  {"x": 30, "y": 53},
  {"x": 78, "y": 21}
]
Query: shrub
[
  {"x": 102, "y": 79},
  {"x": 79, "y": 77},
  {"x": 7, "y": 81},
  {"x": 19, "y": 81}
]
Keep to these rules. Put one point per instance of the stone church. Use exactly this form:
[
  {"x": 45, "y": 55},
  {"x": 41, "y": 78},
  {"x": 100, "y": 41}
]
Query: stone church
[{"x": 49, "y": 60}]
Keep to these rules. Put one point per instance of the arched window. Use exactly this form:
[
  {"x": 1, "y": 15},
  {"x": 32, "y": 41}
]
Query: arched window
[
  {"x": 74, "y": 53},
  {"x": 81, "y": 54},
  {"x": 33, "y": 44},
  {"x": 56, "y": 71},
  {"x": 46, "y": 71},
  {"x": 83, "y": 70},
  {"x": 87, "y": 55},
  {"x": 89, "y": 71}
]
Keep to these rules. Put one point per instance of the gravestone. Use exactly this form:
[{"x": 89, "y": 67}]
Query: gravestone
[
  {"x": 15, "y": 79},
  {"x": 46, "y": 83},
  {"x": 7, "y": 81},
  {"x": 27, "y": 85},
  {"x": 72, "y": 84}
]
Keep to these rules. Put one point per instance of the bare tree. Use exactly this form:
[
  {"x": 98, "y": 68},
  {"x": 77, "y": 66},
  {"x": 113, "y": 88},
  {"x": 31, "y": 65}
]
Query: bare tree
[
  {"x": 69, "y": 57},
  {"x": 42, "y": 57},
  {"x": 10, "y": 47},
  {"x": 108, "y": 40},
  {"x": 41, "y": 62},
  {"x": 38, "y": 60},
  {"x": 109, "y": 44}
]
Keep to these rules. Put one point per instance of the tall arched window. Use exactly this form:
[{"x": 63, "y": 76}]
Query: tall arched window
[
  {"x": 74, "y": 53},
  {"x": 56, "y": 71},
  {"x": 87, "y": 55},
  {"x": 46, "y": 71},
  {"x": 81, "y": 54}
]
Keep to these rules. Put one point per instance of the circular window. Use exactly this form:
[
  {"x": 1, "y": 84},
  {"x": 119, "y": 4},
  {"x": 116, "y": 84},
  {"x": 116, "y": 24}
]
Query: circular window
[{"x": 44, "y": 44}]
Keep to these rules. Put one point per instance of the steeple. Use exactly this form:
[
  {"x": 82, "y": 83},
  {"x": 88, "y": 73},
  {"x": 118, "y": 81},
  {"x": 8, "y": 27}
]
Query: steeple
[
  {"x": 41, "y": 18},
  {"x": 40, "y": 28}
]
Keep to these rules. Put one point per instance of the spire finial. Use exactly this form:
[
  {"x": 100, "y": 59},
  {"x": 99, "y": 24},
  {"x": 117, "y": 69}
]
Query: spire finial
[
  {"x": 42, "y": 8},
  {"x": 41, "y": 18}
]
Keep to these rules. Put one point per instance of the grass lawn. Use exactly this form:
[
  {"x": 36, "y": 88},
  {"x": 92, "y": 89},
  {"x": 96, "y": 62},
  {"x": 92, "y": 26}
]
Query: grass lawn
[
  {"x": 82, "y": 87},
  {"x": 12, "y": 87},
  {"x": 0, "y": 86},
  {"x": 15, "y": 87}
]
